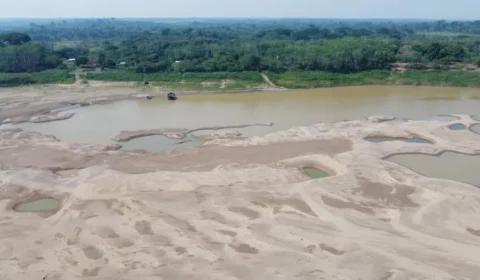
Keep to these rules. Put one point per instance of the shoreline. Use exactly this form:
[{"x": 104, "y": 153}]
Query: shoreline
[{"x": 28, "y": 101}]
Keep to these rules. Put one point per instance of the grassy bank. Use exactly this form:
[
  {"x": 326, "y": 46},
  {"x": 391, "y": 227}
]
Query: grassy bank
[
  {"x": 185, "y": 81},
  {"x": 326, "y": 79},
  {"x": 253, "y": 80},
  {"x": 44, "y": 77},
  {"x": 377, "y": 77}
]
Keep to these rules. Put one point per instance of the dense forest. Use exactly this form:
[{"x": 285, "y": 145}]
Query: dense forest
[{"x": 222, "y": 45}]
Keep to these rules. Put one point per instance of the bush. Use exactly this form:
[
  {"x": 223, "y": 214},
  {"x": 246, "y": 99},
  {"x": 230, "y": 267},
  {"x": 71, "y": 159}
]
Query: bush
[{"x": 10, "y": 80}]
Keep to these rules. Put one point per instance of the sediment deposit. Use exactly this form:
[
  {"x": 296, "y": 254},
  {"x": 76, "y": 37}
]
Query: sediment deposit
[{"x": 241, "y": 209}]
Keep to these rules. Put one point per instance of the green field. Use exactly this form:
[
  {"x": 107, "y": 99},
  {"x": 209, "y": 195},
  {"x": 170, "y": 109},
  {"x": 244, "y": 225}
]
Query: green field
[
  {"x": 376, "y": 77},
  {"x": 44, "y": 77}
]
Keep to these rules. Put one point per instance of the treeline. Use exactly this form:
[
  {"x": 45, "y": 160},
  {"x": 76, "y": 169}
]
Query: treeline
[
  {"x": 150, "y": 53},
  {"x": 207, "y": 46},
  {"x": 18, "y": 55},
  {"x": 300, "y": 29}
]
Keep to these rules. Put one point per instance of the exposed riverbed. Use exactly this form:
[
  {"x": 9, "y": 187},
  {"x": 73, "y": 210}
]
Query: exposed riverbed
[{"x": 316, "y": 201}]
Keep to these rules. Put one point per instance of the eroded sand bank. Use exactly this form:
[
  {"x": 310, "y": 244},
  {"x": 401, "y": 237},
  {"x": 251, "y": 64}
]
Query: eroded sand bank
[
  {"x": 241, "y": 209},
  {"x": 176, "y": 133}
]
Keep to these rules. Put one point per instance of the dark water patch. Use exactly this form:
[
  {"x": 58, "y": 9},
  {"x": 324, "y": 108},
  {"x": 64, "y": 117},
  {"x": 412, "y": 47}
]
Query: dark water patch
[
  {"x": 457, "y": 126},
  {"x": 381, "y": 139},
  {"x": 315, "y": 173},
  {"x": 39, "y": 205},
  {"x": 418, "y": 140}
]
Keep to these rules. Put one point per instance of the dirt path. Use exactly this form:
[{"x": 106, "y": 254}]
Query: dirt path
[{"x": 269, "y": 83}]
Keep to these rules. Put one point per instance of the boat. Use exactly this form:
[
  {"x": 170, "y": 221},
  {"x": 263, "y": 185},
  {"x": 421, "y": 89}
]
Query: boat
[{"x": 172, "y": 96}]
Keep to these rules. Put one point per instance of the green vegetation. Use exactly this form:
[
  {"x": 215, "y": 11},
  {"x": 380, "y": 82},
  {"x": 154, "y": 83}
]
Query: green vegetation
[
  {"x": 376, "y": 77},
  {"x": 17, "y": 55},
  {"x": 44, "y": 77},
  {"x": 125, "y": 75},
  {"x": 231, "y": 53},
  {"x": 439, "y": 78},
  {"x": 315, "y": 79}
]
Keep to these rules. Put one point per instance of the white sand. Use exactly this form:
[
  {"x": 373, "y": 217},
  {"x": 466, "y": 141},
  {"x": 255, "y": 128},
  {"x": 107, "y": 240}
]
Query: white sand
[{"x": 241, "y": 210}]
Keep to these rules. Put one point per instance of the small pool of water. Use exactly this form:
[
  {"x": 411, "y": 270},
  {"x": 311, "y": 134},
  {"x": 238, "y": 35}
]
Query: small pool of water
[
  {"x": 449, "y": 165},
  {"x": 475, "y": 128},
  {"x": 39, "y": 205},
  {"x": 315, "y": 173},
  {"x": 457, "y": 126},
  {"x": 381, "y": 139},
  {"x": 445, "y": 118}
]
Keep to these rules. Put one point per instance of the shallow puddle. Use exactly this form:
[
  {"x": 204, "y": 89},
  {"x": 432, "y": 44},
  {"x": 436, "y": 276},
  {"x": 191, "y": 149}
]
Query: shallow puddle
[
  {"x": 445, "y": 118},
  {"x": 448, "y": 165},
  {"x": 475, "y": 128},
  {"x": 381, "y": 139},
  {"x": 315, "y": 173},
  {"x": 457, "y": 126},
  {"x": 40, "y": 205}
]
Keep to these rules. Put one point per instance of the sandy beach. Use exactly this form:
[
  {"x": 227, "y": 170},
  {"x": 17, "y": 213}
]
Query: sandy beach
[{"x": 234, "y": 208}]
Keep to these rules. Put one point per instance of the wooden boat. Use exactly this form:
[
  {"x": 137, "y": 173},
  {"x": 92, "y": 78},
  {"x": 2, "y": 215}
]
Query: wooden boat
[{"x": 171, "y": 96}]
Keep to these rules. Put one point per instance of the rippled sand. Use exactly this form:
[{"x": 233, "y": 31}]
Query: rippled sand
[{"x": 241, "y": 209}]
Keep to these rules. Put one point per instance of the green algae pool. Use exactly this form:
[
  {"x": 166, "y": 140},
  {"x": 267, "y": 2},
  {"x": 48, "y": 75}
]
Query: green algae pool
[
  {"x": 315, "y": 173},
  {"x": 39, "y": 205}
]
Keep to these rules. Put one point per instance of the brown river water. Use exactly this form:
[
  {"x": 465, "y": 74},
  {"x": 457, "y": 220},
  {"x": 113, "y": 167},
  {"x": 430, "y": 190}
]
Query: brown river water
[{"x": 100, "y": 123}]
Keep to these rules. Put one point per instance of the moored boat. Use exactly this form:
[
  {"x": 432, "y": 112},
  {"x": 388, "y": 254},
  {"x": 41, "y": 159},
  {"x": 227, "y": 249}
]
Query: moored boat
[{"x": 172, "y": 96}]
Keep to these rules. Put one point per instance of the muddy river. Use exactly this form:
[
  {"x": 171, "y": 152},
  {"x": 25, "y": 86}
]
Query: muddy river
[{"x": 99, "y": 124}]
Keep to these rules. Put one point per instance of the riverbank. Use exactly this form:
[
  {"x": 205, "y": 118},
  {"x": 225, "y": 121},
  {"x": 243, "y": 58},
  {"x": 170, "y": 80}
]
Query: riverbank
[
  {"x": 21, "y": 103},
  {"x": 247, "y": 81},
  {"x": 26, "y": 101}
]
